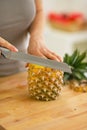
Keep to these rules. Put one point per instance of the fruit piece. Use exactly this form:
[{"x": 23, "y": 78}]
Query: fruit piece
[
  {"x": 52, "y": 16},
  {"x": 78, "y": 86},
  {"x": 76, "y": 16},
  {"x": 58, "y": 18},
  {"x": 68, "y": 22},
  {"x": 79, "y": 70},
  {"x": 44, "y": 83}
]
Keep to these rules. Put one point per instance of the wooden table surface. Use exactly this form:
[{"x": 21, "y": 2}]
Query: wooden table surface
[{"x": 19, "y": 112}]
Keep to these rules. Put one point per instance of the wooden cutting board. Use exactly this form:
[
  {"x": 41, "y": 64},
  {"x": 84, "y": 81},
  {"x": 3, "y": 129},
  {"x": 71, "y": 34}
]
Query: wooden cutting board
[{"x": 19, "y": 112}]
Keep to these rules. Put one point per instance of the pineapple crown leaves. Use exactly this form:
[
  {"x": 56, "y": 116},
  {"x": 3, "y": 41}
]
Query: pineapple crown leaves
[{"x": 78, "y": 63}]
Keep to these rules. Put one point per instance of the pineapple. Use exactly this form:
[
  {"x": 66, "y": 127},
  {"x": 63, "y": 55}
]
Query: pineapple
[
  {"x": 44, "y": 83},
  {"x": 77, "y": 80}
]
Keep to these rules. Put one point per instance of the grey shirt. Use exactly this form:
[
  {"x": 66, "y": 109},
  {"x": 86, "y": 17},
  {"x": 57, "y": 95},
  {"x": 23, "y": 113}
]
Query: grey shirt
[{"x": 15, "y": 19}]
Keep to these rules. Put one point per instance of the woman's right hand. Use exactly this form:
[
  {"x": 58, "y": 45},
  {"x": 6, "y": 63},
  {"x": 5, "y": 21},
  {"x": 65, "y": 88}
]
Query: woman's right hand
[{"x": 8, "y": 45}]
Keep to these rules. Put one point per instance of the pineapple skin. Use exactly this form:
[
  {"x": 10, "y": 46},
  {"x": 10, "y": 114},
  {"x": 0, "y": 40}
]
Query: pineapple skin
[{"x": 44, "y": 83}]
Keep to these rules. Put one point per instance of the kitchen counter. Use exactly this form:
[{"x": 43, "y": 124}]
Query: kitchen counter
[{"x": 18, "y": 111}]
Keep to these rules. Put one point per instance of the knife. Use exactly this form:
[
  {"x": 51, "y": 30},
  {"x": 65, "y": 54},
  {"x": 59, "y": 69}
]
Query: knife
[{"x": 35, "y": 60}]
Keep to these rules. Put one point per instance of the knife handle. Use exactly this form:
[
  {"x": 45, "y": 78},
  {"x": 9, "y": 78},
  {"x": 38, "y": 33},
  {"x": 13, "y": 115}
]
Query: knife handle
[
  {"x": 1, "y": 51},
  {"x": 4, "y": 51}
]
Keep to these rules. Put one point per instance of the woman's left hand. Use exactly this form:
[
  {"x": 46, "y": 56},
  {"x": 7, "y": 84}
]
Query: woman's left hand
[{"x": 37, "y": 47}]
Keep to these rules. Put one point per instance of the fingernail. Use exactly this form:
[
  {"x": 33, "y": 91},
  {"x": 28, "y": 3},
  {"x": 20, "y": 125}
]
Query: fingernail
[{"x": 14, "y": 49}]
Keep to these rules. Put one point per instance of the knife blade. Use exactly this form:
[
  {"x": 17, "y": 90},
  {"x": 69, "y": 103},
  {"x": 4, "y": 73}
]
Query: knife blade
[{"x": 21, "y": 56}]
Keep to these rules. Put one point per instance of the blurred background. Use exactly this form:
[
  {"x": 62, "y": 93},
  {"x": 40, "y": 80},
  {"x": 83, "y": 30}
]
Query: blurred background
[{"x": 66, "y": 25}]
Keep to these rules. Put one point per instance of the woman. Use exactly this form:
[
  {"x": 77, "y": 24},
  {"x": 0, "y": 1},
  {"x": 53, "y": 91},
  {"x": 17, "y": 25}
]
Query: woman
[{"x": 21, "y": 28}]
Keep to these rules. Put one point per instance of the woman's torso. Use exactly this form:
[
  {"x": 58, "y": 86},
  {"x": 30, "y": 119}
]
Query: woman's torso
[{"x": 15, "y": 18}]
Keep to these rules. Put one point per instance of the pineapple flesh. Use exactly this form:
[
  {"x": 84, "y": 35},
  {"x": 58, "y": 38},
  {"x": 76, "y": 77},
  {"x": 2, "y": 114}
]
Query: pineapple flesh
[
  {"x": 77, "y": 80},
  {"x": 44, "y": 83},
  {"x": 78, "y": 86}
]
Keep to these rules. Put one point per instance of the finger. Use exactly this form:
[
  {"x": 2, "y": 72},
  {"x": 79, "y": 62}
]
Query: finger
[
  {"x": 52, "y": 55},
  {"x": 59, "y": 58},
  {"x": 12, "y": 48},
  {"x": 6, "y": 44},
  {"x": 9, "y": 46}
]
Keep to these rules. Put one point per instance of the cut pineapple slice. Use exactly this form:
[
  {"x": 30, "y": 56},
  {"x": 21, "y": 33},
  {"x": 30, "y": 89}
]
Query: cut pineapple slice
[{"x": 78, "y": 86}]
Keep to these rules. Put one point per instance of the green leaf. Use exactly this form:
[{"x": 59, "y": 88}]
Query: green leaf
[
  {"x": 66, "y": 76},
  {"x": 80, "y": 58},
  {"x": 82, "y": 65},
  {"x": 78, "y": 65},
  {"x": 74, "y": 57},
  {"x": 80, "y": 70},
  {"x": 78, "y": 75},
  {"x": 70, "y": 60},
  {"x": 67, "y": 59}
]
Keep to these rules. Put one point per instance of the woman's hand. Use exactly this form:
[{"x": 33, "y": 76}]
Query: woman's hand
[
  {"x": 37, "y": 47},
  {"x": 8, "y": 45},
  {"x": 37, "y": 42}
]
